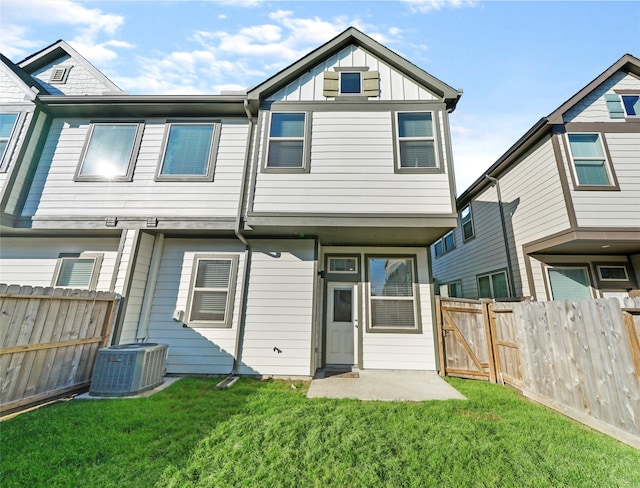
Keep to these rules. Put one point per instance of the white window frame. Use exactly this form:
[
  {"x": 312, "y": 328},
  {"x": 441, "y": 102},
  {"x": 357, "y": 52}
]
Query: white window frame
[
  {"x": 624, "y": 107},
  {"x": 469, "y": 221},
  {"x": 213, "y": 149},
  {"x": 334, "y": 258},
  {"x": 306, "y": 150},
  {"x": 93, "y": 281},
  {"x": 11, "y": 139},
  {"x": 434, "y": 138},
  {"x": 490, "y": 276},
  {"x": 584, "y": 267},
  {"x": 347, "y": 94},
  {"x": 227, "y": 322},
  {"x": 612, "y": 185},
  {"x": 414, "y": 298},
  {"x": 133, "y": 152}
]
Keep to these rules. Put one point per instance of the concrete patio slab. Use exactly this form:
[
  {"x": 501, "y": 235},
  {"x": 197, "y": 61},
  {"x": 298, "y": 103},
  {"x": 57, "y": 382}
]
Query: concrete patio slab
[{"x": 385, "y": 385}]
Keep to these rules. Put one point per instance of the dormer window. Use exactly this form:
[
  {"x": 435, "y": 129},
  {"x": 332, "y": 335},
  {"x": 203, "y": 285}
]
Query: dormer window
[
  {"x": 350, "y": 83},
  {"x": 59, "y": 75}
]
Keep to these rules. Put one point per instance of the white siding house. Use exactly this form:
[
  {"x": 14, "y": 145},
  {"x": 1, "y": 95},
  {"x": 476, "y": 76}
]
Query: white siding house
[
  {"x": 566, "y": 221},
  {"x": 272, "y": 232}
]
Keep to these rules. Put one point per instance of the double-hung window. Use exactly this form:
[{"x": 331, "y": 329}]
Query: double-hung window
[
  {"x": 466, "y": 220},
  {"x": 589, "y": 160},
  {"x": 77, "y": 271},
  {"x": 109, "y": 152},
  {"x": 416, "y": 149},
  {"x": 392, "y": 294},
  {"x": 189, "y": 151},
  {"x": 287, "y": 144},
  {"x": 211, "y": 294},
  {"x": 493, "y": 285},
  {"x": 7, "y": 124}
]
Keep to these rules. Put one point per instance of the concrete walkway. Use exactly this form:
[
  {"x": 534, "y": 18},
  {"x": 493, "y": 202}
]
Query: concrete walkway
[{"x": 385, "y": 385}]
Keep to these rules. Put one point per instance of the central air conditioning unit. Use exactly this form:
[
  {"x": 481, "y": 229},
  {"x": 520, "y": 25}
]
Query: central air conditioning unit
[{"x": 128, "y": 369}]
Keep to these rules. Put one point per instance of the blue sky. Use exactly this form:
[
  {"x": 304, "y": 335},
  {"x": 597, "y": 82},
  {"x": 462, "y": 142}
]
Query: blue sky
[{"x": 515, "y": 61}]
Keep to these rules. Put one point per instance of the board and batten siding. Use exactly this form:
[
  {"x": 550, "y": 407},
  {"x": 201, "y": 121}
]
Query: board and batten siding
[
  {"x": 393, "y": 85},
  {"x": 138, "y": 284},
  {"x": 280, "y": 308},
  {"x": 54, "y": 193},
  {"x": 197, "y": 350},
  {"x": 593, "y": 107},
  {"x": 352, "y": 171},
  {"x": 32, "y": 260},
  {"x": 612, "y": 208},
  {"x": 532, "y": 211}
]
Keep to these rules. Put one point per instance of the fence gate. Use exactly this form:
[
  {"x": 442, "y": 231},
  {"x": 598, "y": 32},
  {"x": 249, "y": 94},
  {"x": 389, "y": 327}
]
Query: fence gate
[
  {"x": 465, "y": 339},
  {"x": 506, "y": 351},
  {"x": 48, "y": 341}
]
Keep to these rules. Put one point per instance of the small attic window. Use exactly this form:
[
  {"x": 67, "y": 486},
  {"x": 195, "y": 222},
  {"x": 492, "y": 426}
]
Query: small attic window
[
  {"x": 59, "y": 75},
  {"x": 350, "y": 83}
]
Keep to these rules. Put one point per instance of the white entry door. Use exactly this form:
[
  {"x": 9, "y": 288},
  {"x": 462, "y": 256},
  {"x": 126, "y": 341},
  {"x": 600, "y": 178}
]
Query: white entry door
[{"x": 341, "y": 322}]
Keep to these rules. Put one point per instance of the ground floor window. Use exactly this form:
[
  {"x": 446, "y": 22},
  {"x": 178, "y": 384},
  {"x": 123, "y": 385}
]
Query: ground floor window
[
  {"x": 392, "y": 297},
  {"x": 569, "y": 282},
  {"x": 77, "y": 272},
  {"x": 493, "y": 285}
]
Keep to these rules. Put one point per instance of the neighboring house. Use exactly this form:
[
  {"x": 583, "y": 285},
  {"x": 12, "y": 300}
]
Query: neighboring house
[
  {"x": 270, "y": 232},
  {"x": 558, "y": 215}
]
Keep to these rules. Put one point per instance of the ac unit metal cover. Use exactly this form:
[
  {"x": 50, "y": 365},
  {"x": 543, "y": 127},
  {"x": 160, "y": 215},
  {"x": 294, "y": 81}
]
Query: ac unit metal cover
[{"x": 128, "y": 369}]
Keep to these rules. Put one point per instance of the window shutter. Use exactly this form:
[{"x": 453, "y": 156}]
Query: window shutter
[
  {"x": 616, "y": 111},
  {"x": 330, "y": 87},
  {"x": 371, "y": 84}
]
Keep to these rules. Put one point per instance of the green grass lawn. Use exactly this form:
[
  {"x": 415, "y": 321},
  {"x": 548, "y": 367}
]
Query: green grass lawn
[{"x": 265, "y": 433}]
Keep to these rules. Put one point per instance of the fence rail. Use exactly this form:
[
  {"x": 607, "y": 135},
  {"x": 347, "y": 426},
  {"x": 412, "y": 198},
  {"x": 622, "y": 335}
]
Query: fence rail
[
  {"x": 49, "y": 338},
  {"x": 581, "y": 357}
]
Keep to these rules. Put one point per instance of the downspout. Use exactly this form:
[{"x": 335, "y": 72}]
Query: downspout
[
  {"x": 247, "y": 246},
  {"x": 512, "y": 284},
  {"x": 147, "y": 303}
]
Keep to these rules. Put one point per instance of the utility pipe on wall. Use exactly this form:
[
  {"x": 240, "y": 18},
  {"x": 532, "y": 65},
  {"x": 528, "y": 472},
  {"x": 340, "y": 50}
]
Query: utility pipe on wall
[{"x": 512, "y": 286}]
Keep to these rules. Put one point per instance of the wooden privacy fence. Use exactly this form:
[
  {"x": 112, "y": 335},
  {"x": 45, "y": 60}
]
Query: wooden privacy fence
[
  {"x": 48, "y": 341},
  {"x": 581, "y": 357}
]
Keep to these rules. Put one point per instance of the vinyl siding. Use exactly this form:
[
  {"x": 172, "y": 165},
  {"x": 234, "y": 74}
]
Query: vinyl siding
[
  {"x": 393, "y": 85},
  {"x": 79, "y": 81},
  {"x": 351, "y": 170},
  {"x": 613, "y": 208},
  {"x": 532, "y": 211},
  {"x": 32, "y": 260},
  {"x": 9, "y": 90},
  {"x": 280, "y": 309},
  {"x": 55, "y": 194},
  {"x": 137, "y": 288},
  {"x": 191, "y": 350}
]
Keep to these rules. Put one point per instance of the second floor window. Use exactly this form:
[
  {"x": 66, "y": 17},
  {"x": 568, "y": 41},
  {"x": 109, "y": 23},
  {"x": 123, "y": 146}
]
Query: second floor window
[
  {"x": 109, "y": 152},
  {"x": 416, "y": 141},
  {"x": 467, "y": 223},
  {"x": 589, "y": 160},
  {"x": 189, "y": 151},
  {"x": 287, "y": 141},
  {"x": 7, "y": 123}
]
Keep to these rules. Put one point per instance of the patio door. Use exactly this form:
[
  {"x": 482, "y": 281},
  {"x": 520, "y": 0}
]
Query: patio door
[{"x": 341, "y": 323}]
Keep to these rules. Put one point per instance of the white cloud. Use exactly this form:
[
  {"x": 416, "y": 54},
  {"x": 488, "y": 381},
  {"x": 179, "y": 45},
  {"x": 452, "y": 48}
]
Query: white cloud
[
  {"x": 90, "y": 24},
  {"x": 424, "y": 6}
]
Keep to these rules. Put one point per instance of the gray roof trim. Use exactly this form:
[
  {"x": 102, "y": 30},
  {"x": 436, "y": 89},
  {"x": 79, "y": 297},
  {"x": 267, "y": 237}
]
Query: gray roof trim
[
  {"x": 57, "y": 50},
  {"x": 145, "y": 105},
  {"x": 23, "y": 78},
  {"x": 627, "y": 63},
  {"x": 354, "y": 36}
]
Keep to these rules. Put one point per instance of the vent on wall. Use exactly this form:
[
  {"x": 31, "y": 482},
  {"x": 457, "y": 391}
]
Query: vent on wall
[
  {"x": 128, "y": 369},
  {"x": 59, "y": 75}
]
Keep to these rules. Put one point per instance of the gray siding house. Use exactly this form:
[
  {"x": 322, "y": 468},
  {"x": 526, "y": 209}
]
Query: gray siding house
[
  {"x": 270, "y": 232},
  {"x": 558, "y": 215}
]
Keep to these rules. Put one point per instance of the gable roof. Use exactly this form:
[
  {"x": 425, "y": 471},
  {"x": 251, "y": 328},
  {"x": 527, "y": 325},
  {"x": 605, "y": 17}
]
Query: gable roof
[
  {"x": 355, "y": 37},
  {"x": 627, "y": 63},
  {"x": 60, "y": 49},
  {"x": 23, "y": 79}
]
